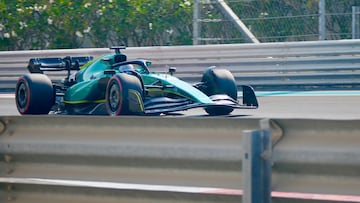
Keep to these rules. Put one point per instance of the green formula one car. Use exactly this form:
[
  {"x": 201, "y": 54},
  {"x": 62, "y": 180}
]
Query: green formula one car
[{"x": 113, "y": 85}]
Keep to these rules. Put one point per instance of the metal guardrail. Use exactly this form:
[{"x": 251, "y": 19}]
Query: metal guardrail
[
  {"x": 266, "y": 66},
  {"x": 152, "y": 159}
]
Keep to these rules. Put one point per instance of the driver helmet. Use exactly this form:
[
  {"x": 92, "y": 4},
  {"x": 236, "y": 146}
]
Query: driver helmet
[{"x": 126, "y": 68}]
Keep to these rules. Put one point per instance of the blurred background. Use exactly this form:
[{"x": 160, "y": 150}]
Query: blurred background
[{"x": 54, "y": 24}]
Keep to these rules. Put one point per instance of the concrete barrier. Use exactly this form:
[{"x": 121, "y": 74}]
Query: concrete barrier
[{"x": 156, "y": 159}]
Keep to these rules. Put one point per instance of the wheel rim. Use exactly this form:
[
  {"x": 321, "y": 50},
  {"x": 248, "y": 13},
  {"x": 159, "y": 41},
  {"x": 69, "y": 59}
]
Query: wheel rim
[
  {"x": 114, "y": 97},
  {"x": 22, "y": 96}
]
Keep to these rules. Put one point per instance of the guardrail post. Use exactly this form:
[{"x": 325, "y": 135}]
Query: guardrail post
[{"x": 257, "y": 166}]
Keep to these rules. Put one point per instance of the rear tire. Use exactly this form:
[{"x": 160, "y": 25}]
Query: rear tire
[
  {"x": 124, "y": 95},
  {"x": 219, "y": 81},
  {"x": 34, "y": 94}
]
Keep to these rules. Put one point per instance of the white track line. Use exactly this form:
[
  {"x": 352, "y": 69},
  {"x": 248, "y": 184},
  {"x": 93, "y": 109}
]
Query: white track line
[{"x": 179, "y": 189}]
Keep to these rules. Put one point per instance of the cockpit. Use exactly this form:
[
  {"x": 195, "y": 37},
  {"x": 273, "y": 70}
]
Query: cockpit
[{"x": 140, "y": 66}]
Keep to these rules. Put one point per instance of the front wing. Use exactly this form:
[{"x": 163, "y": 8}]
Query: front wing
[{"x": 167, "y": 105}]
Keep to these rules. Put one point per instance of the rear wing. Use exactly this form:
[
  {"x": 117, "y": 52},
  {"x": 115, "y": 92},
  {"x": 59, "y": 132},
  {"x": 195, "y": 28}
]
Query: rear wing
[{"x": 39, "y": 65}]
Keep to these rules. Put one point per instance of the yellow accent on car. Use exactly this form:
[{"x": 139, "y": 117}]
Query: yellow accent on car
[
  {"x": 137, "y": 103},
  {"x": 85, "y": 101}
]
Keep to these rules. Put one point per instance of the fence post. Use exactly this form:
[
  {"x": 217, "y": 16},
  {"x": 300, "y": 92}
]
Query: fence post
[
  {"x": 257, "y": 166},
  {"x": 355, "y": 22},
  {"x": 229, "y": 13},
  {"x": 322, "y": 20},
  {"x": 196, "y": 22}
]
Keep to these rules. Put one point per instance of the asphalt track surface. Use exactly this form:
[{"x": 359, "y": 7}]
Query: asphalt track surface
[{"x": 309, "y": 105}]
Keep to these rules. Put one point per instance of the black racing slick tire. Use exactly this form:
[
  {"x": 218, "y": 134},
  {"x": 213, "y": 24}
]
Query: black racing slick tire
[
  {"x": 124, "y": 95},
  {"x": 34, "y": 94},
  {"x": 219, "y": 81}
]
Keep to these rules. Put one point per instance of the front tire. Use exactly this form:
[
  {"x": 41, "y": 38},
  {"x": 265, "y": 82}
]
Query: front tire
[
  {"x": 124, "y": 95},
  {"x": 219, "y": 81},
  {"x": 34, "y": 94}
]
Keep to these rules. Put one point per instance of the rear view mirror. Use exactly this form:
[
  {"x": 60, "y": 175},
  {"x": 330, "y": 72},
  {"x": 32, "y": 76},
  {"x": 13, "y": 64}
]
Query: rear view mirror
[{"x": 172, "y": 70}]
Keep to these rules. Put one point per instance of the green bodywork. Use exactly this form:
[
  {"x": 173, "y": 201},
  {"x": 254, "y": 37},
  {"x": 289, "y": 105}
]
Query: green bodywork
[
  {"x": 173, "y": 85},
  {"x": 91, "y": 82}
]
